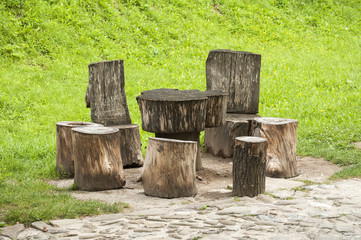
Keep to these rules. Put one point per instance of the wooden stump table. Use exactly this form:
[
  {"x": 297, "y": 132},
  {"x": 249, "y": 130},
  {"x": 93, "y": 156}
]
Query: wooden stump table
[{"x": 181, "y": 115}]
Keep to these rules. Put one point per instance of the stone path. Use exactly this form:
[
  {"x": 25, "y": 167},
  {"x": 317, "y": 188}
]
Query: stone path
[{"x": 321, "y": 212}]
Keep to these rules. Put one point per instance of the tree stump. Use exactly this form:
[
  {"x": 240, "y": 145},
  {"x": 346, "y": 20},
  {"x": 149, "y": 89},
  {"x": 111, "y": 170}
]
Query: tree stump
[
  {"x": 97, "y": 158},
  {"x": 64, "y": 147},
  {"x": 169, "y": 168},
  {"x": 219, "y": 141},
  {"x": 249, "y": 166},
  {"x": 238, "y": 74},
  {"x": 130, "y": 145},
  {"x": 105, "y": 94},
  {"x": 282, "y": 140}
]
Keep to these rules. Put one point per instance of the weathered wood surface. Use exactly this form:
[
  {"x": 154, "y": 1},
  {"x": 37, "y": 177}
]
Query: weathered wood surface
[
  {"x": 193, "y": 136},
  {"x": 249, "y": 166},
  {"x": 219, "y": 141},
  {"x": 237, "y": 73},
  {"x": 169, "y": 168},
  {"x": 97, "y": 158},
  {"x": 216, "y": 108},
  {"x": 171, "y": 111},
  {"x": 64, "y": 147},
  {"x": 106, "y": 95},
  {"x": 282, "y": 141},
  {"x": 130, "y": 145}
]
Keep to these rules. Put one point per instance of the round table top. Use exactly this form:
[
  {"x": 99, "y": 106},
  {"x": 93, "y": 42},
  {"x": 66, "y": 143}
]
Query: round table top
[{"x": 175, "y": 111}]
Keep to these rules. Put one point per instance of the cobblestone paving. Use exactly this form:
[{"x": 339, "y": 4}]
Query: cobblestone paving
[{"x": 320, "y": 212}]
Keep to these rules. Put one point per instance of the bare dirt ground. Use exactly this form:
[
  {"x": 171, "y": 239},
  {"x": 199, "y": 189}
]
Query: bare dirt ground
[{"x": 214, "y": 182}]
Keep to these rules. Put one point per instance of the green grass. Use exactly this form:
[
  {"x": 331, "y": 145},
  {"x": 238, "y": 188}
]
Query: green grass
[{"x": 311, "y": 67}]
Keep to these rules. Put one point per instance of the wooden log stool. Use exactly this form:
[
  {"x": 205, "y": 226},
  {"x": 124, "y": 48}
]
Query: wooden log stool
[
  {"x": 97, "y": 158},
  {"x": 181, "y": 115},
  {"x": 169, "y": 168},
  {"x": 238, "y": 74},
  {"x": 64, "y": 147},
  {"x": 249, "y": 166},
  {"x": 105, "y": 94},
  {"x": 130, "y": 145},
  {"x": 219, "y": 141},
  {"x": 281, "y": 134}
]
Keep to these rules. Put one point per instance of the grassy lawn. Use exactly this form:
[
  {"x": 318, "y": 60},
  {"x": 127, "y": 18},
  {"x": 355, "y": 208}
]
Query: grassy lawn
[{"x": 311, "y": 71}]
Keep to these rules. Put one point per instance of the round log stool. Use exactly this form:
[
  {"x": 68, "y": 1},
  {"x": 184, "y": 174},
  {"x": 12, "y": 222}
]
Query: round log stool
[
  {"x": 281, "y": 134},
  {"x": 249, "y": 166},
  {"x": 130, "y": 145},
  {"x": 169, "y": 168},
  {"x": 64, "y": 147},
  {"x": 97, "y": 158}
]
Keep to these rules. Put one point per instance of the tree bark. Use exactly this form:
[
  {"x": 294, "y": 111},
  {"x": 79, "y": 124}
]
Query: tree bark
[
  {"x": 64, "y": 147},
  {"x": 282, "y": 141},
  {"x": 193, "y": 136},
  {"x": 130, "y": 145},
  {"x": 219, "y": 141},
  {"x": 97, "y": 158},
  {"x": 106, "y": 95},
  {"x": 238, "y": 74},
  {"x": 249, "y": 166},
  {"x": 169, "y": 168}
]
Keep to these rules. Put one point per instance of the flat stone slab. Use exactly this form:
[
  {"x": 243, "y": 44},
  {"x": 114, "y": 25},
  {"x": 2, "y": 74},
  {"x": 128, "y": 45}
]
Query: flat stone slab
[{"x": 12, "y": 231}]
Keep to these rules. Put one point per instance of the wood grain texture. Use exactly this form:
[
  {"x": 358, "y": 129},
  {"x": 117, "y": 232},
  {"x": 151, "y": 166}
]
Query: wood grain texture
[
  {"x": 219, "y": 141},
  {"x": 130, "y": 145},
  {"x": 249, "y": 166},
  {"x": 97, "y": 158},
  {"x": 106, "y": 95},
  {"x": 282, "y": 142},
  {"x": 216, "y": 108},
  {"x": 169, "y": 168},
  {"x": 64, "y": 147},
  {"x": 237, "y": 73},
  {"x": 193, "y": 136}
]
